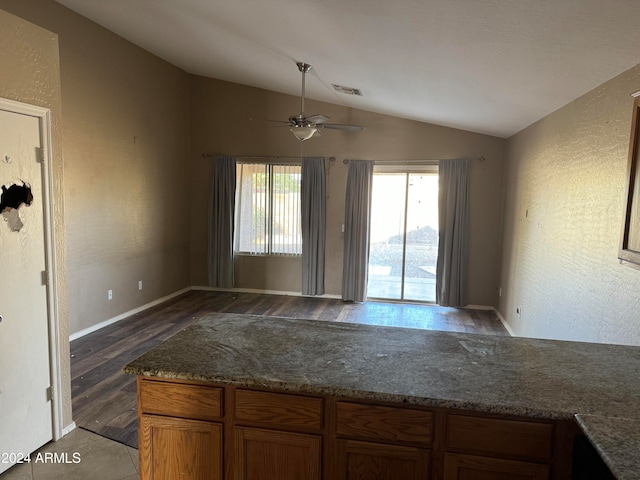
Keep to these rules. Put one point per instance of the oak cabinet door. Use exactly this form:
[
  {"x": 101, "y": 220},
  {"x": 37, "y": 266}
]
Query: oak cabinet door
[
  {"x": 471, "y": 467},
  {"x": 172, "y": 448},
  {"x": 261, "y": 454},
  {"x": 358, "y": 460}
]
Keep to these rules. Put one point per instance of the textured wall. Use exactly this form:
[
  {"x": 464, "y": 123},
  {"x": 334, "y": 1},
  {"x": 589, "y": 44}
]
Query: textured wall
[
  {"x": 125, "y": 137},
  {"x": 564, "y": 204},
  {"x": 230, "y": 118},
  {"x": 31, "y": 74}
]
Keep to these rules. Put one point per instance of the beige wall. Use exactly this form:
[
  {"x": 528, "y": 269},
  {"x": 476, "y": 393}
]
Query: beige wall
[
  {"x": 564, "y": 204},
  {"x": 125, "y": 140},
  {"x": 31, "y": 74},
  {"x": 133, "y": 202},
  {"x": 232, "y": 119}
]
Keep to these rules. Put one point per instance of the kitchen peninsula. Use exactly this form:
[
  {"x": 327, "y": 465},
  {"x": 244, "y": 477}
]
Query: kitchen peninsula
[{"x": 235, "y": 396}]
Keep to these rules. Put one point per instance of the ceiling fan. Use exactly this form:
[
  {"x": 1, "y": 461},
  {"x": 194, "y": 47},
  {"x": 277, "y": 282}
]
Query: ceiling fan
[{"x": 304, "y": 127}]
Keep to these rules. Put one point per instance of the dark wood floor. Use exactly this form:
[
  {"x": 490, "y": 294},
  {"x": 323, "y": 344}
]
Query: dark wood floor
[{"x": 104, "y": 398}]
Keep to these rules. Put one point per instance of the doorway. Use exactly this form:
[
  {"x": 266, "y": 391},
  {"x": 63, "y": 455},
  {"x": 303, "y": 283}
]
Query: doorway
[
  {"x": 29, "y": 384},
  {"x": 403, "y": 244}
]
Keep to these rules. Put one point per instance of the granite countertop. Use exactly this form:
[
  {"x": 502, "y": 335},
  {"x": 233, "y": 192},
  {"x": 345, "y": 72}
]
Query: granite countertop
[{"x": 507, "y": 375}]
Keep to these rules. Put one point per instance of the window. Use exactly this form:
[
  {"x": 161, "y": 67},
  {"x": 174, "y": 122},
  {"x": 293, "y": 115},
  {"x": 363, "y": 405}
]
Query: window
[{"x": 268, "y": 209}]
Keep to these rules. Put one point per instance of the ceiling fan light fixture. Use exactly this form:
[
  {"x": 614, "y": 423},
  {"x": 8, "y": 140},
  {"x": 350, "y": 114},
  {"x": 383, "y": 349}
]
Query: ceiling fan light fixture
[{"x": 303, "y": 133}]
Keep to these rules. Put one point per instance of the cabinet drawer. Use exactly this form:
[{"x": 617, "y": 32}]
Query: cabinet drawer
[
  {"x": 458, "y": 467},
  {"x": 182, "y": 400},
  {"x": 531, "y": 440},
  {"x": 278, "y": 409},
  {"x": 371, "y": 422}
]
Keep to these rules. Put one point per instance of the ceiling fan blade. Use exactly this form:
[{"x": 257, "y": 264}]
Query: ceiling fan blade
[
  {"x": 317, "y": 118},
  {"x": 339, "y": 126}
]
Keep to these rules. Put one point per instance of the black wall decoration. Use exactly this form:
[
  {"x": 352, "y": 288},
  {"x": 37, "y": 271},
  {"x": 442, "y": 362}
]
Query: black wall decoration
[{"x": 11, "y": 199}]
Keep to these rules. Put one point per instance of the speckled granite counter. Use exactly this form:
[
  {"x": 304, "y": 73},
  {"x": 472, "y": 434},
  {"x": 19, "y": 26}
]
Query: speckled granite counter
[
  {"x": 535, "y": 378},
  {"x": 617, "y": 439}
]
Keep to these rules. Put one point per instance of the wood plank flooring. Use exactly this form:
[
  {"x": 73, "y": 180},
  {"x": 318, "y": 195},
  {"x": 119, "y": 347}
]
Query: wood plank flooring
[{"x": 104, "y": 398}]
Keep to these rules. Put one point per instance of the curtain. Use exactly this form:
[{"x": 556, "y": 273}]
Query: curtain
[
  {"x": 453, "y": 213},
  {"x": 314, "y": 225},
  {"x": 221, "y": 222},
  {"x": 356, "y": 230}
]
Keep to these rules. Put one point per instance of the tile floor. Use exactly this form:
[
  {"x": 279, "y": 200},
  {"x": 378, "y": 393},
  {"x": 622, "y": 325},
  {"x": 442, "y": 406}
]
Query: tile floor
[{"x": 99, "y": 459}]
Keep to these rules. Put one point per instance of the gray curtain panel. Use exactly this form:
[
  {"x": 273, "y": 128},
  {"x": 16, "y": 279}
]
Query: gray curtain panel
[
  {"x": 357, "y": 218},
  {"x": 221, "y": 222},
  {"x": 314, "y": 225},
  {"x": 453, "y": 251}
]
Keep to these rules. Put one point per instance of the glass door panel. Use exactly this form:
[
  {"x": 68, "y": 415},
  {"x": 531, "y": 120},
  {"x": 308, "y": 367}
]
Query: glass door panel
[
  {"x": 421, "y": 250},
  {"x": 404, "y": 236},
  {"x": 386, "y": 247}
]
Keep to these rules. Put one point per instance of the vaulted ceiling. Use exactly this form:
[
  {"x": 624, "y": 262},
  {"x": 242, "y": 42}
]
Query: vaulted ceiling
[{"x": 489, "y": 66}]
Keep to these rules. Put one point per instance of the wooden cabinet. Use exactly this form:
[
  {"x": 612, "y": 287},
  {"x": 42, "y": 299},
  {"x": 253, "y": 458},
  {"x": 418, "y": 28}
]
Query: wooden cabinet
[
  {"x": 482, "y": 448},
  {"x": 214, "y": 432},
  {"x": 172, "y": 448},
  {"x": 177, "y": 437},
  {"x": 382, "y": 442},
  {"x": 275, "y": 455},
  {"x": 530, "y": 440},
  {"x": 376, "y": 461},
  {"x": 276, "y": 436},
  {"x": 469, "y": 467}
]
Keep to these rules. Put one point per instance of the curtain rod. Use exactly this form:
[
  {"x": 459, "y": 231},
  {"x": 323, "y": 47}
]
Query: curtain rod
[
  {"x": 404, "y": 162},
  {"x": 275, "y": 157}
]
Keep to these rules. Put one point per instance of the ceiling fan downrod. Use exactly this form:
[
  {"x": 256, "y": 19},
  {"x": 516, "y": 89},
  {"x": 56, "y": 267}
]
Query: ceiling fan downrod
[{"x": 304, "y": 69}]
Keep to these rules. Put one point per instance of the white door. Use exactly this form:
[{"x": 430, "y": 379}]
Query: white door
[{"x": 25, "y": 407}]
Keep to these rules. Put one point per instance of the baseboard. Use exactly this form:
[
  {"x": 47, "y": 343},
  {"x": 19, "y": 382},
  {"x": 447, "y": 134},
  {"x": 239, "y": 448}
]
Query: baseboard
[
  {"x": 504, "y": 323},
  {"x": 478, "y": 307},
  {"x": 122, "y": 316},
  {"x": 69, "y": 428}
]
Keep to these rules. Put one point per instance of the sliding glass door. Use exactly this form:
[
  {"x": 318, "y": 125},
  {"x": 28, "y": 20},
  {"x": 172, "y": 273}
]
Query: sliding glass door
[{"x": 404, "y": 235}]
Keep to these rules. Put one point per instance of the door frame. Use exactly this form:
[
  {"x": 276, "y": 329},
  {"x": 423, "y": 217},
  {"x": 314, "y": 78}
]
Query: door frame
[
  {"x": 420, "y": 167},
  {"x": 44, "y": 119}
]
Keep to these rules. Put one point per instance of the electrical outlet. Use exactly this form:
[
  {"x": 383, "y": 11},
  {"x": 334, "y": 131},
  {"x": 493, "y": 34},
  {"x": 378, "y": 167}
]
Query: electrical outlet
[
  {"x": 109, "y": 294},
  {"x": 139, "y": 284}
]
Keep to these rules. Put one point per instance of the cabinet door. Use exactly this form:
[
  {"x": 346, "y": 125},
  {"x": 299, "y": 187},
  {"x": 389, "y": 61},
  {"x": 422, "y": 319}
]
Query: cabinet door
[
  {"x": 172, "y": 448},
  {"x": 471, "y": 467},
  {"x": 273, "y": 455},
  {"x": 375, "y": 461}
]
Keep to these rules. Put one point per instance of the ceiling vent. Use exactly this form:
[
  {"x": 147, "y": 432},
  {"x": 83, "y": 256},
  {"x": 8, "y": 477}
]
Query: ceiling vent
[{"x": 347, "y": 90}]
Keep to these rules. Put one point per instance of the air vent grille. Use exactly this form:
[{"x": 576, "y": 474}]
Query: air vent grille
[{"x": 347, "y": 90}]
